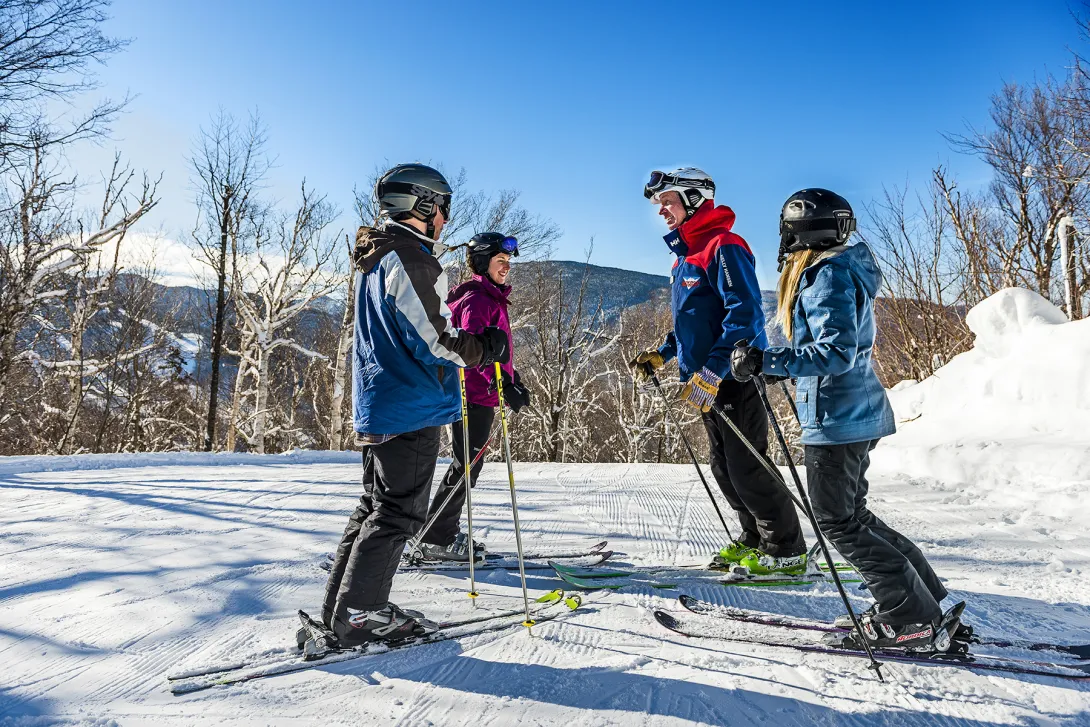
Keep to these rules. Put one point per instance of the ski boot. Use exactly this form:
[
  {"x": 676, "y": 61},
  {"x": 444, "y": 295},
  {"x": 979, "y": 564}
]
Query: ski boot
[
  {"x": 934, "y": 637},
  {"x": 731, "y": 554},
  {"x": 389, "y": 624},
  {"x": 844, "y": 621},
  {"x": 457, "y": 552},
  {"x": 761, "y": 564}
]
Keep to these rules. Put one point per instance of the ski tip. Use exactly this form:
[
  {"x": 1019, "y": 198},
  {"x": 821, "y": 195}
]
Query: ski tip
[
  {"x": 667, "y": 620},
  {"x": 599, "y": 546},
  {"x": 551, "y": 597},
  {"x": 688, "y": 601}
]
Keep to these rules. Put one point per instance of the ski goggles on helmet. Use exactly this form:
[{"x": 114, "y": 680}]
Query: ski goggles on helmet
[
  {"x": 661, "y": 180},
  {"x": 510, "y": 245}
]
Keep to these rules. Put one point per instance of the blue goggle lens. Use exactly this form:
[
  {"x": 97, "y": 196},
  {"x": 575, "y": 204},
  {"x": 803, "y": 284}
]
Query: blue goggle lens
[{"x": 509, "y": 245}]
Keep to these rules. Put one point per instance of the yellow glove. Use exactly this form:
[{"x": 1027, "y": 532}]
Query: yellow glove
[
  {"x": 700, "y": 391},
  {"x": 647, "y": 363}
]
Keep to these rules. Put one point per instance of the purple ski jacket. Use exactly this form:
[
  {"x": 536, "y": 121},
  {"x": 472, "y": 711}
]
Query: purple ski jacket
[{"x": 474, "y": 305}]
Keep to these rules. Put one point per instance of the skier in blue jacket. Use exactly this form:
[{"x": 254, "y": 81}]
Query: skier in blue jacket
[
  {"x": 404, "y": 388},
  {"x": 716, "y": 304},
  {"x": 826, "y": 309}
]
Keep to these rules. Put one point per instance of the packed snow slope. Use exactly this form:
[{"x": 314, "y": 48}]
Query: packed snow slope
[{"x": 115, "y": 571}]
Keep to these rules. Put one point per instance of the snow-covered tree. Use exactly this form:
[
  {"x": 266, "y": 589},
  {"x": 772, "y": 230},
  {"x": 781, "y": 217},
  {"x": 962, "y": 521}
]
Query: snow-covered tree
[{"x": 292, "y": 266}]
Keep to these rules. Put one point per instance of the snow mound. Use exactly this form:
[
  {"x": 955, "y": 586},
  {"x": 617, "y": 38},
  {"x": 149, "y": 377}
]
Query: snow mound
[
  {"x": 999, "y": 321},
  {"x": 1015, "y": 408}
]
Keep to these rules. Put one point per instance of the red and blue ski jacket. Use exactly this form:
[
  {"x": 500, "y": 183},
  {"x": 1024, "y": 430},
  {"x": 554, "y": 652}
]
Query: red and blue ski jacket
[{"x": 715, "y": 298}]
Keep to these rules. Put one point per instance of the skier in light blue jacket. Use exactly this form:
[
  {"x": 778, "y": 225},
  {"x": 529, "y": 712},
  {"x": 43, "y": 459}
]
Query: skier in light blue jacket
[{"x": 826, "y": 309}]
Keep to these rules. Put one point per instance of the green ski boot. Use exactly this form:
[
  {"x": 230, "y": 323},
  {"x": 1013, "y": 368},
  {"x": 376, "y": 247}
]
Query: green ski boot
[
  {"x": 762, "y": 564},
  {"x": 732, "y": 554}
]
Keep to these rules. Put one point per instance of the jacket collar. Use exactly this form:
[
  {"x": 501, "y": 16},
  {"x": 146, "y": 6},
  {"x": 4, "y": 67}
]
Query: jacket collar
[
  {"x": 694, "y": 234},
  {"x": 499, "y": 292},
  {"x": 434, "y": 247}
]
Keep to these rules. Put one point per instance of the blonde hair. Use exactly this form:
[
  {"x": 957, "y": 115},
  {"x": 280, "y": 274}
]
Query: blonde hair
[{"x": 788, "y": 288}]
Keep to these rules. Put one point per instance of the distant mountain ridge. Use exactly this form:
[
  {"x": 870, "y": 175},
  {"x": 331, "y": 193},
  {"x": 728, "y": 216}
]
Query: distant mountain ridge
[{"x": 619, "y": 288}]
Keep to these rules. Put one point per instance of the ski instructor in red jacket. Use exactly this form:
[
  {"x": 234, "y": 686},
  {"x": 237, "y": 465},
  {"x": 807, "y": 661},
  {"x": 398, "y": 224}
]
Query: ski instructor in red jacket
[
  {"x": 475, "y": 305},
  {"x": 716, "y": 304}
]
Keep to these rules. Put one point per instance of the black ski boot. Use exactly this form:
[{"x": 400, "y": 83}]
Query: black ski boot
[
  {"x": 932, "y": 637},
  {"x": 456, "y": 552},
  {"x": 353, "y": 628},
  {"x": 844, "y": 621}
]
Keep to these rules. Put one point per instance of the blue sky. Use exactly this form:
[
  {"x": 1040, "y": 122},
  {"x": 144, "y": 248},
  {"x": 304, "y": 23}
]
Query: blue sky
[{"x": 574, "y": 103}]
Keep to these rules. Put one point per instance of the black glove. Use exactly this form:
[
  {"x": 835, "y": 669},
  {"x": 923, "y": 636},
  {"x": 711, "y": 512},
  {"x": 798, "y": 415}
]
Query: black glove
[
  {"x": 497, "y": 347},
  {"x": 746, "y": 362},
  {"x": 514, "y": 393}
]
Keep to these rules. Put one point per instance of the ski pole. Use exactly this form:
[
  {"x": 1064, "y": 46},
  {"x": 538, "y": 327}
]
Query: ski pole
[
  {"x": 692, "y": 455},
  {"x": 469, "y": 489},
  {"x": 415, "y": 543},
  {"x": 761, "y": 390},
  {"x": 514, "y": 504}
]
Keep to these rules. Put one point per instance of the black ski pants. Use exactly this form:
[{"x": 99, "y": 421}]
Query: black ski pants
[
  {"x": 766, "y": 513},
  {"x": 396, "y": 484},
  {"x": 899, "y": 577},
  {"x": 445, "y": 528}
]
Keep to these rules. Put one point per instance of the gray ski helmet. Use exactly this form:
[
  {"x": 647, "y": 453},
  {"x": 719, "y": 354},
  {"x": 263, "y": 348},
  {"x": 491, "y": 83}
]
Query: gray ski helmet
[
  {"x": 814, "y": 219},
  {"x": 414, "y": 190},
  {"x": 484, "y": 246}
]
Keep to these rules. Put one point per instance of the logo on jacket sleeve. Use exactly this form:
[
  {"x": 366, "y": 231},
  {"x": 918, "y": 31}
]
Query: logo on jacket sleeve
[{"x": 690, "y": 283}]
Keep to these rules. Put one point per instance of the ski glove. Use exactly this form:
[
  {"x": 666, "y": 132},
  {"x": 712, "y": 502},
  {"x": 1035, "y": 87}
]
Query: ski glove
[
  {"x": 647, "y": 363},
  {"x": 514, "y": 393},
  {"x": 497, "y": 347},
  {"x": 700, "y": 391},
  {"x": 746, "y": 362}
]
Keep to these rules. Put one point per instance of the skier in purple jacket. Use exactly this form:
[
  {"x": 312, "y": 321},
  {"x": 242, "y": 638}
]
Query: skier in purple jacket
[{"x": 476, "y": 304}]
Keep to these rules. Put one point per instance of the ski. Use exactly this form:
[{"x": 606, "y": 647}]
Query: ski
[
  {"x": 576, "y": 555},
  {"x": 624, "y": 580},
  {"x": 557, "y": 552},
  {"x": 543, "y": 603},
  {"x": 698, "y": 606},
  {"x": 680, "y": 572},
  {"x": 701, "y": 626},
  {"x": 585, "y": 561}
]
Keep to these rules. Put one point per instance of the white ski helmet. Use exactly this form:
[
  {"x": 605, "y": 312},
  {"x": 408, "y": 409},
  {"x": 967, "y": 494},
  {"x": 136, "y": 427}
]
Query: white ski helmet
[{"x": 694, "y": 185}]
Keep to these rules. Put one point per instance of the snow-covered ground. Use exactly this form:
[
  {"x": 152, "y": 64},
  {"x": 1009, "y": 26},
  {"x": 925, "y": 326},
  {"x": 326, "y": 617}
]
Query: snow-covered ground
[{"x": 115, "y": 571}]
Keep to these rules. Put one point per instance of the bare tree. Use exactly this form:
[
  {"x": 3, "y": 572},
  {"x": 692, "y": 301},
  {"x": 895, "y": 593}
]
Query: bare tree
[
  {"x": 49, "y": 286},
  {"x": 48, "y": 49},
  {"x": 292, "y": 266},
  {"x": 1039, "y": 175},
  {"x": 927, "y": 281},
  {"x": 228, "y": 164},
  {"x": 561, "y": 347}
]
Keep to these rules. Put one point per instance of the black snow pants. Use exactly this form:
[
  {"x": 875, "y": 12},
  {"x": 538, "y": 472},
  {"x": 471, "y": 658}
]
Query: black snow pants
[
  {"x": 899, "y": 577},
  {"x": 396, "y": 484},
  {"x": 767, "y": 515},
  {"x": 445, "y": 528}
]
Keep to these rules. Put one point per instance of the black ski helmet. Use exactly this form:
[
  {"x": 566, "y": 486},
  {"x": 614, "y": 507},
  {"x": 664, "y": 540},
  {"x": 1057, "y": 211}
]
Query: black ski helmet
[
  {"x": 814, "y": 219},
  {"x": 484, "y": 246},
  {"x": 414, "y": 190}
]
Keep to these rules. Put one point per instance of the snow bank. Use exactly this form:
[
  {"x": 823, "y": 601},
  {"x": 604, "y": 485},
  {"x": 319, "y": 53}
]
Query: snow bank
[{"x": 1015, "y": 408}]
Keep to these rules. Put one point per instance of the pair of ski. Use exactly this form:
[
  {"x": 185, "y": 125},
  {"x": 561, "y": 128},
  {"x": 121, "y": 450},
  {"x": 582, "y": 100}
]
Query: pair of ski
[
  {"x": 711, "y": 621},
  {"x": 591, "y": 578},
  {"x": 315, "y": 650},
  {"x": 571, "y": 555}
]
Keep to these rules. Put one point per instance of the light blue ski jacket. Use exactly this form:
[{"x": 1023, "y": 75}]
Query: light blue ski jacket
[{"x": 839, "y": 397}]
